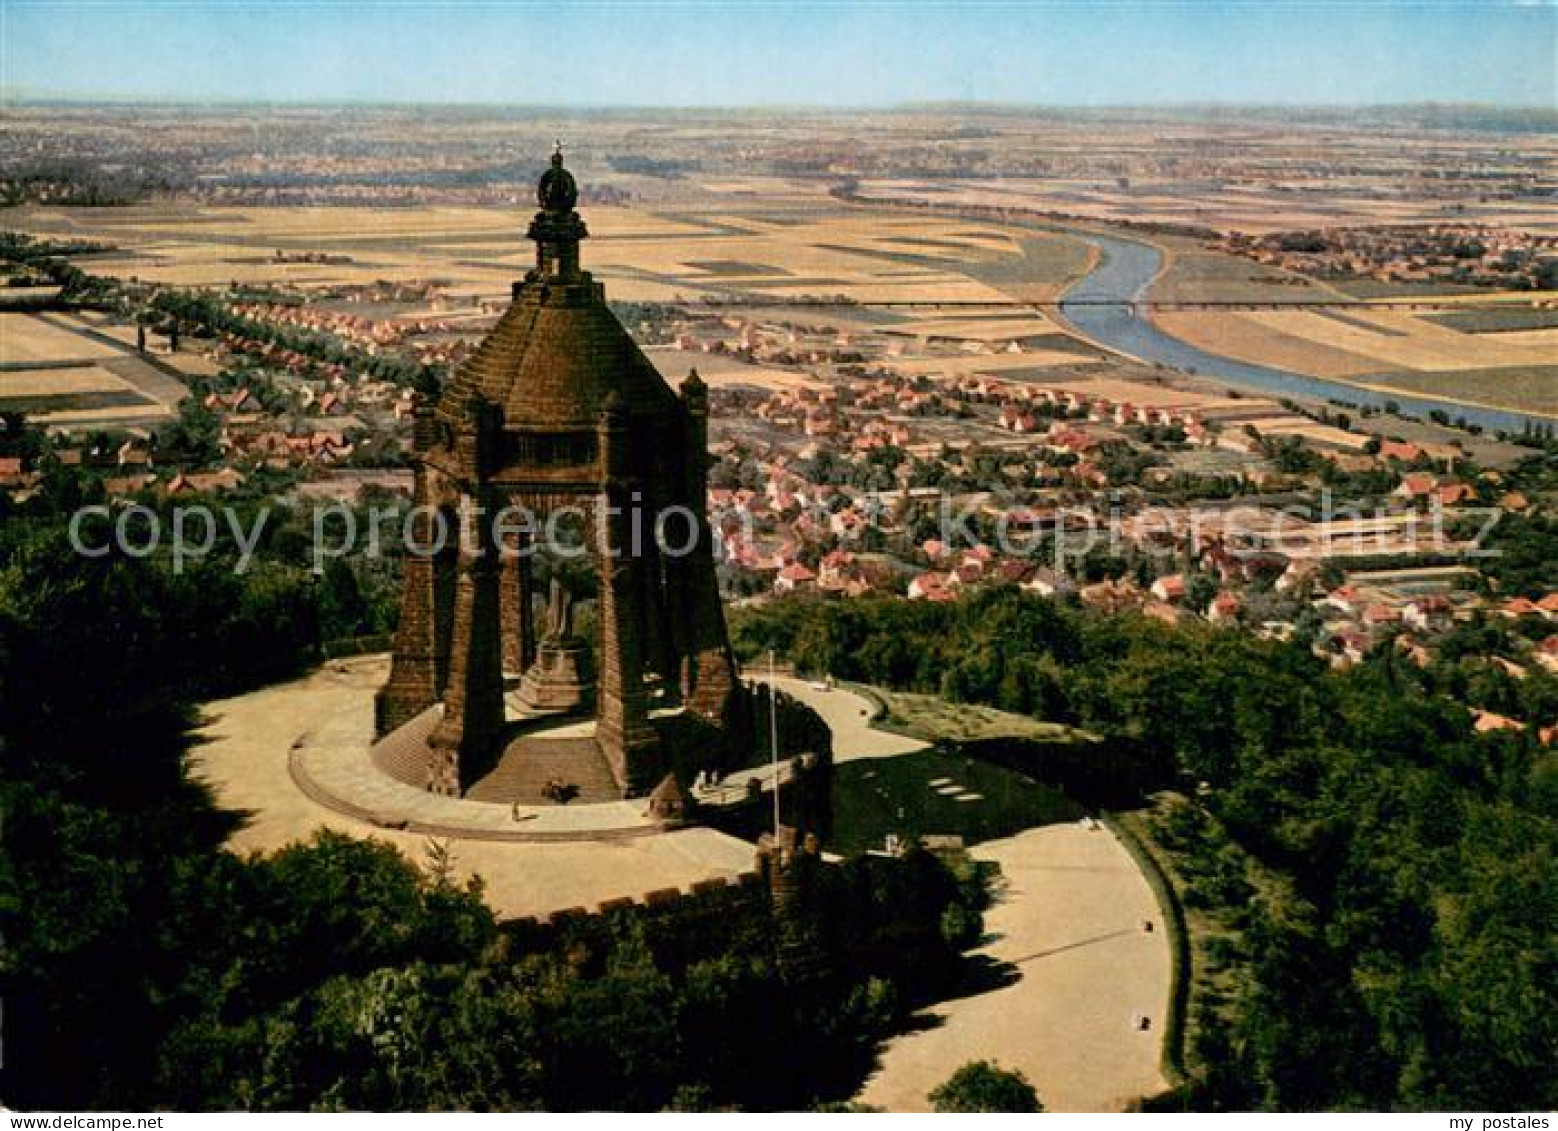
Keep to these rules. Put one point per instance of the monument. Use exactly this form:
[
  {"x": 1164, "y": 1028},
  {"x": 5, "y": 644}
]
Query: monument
[
  {"x": 562, "y": 678},
  {"x": 556, "y": 413}
]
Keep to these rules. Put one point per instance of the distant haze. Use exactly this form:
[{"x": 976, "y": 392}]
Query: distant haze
[{"x": 843, "y": 54}]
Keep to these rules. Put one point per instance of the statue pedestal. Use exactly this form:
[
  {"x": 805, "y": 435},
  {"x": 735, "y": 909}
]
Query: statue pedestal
[{"x": 561, "y": 681}]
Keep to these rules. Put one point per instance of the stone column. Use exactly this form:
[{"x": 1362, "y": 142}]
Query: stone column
[
  {"x": 656, "y": 608},
  {"x": 519, "y": 633},
  {"x": 416, "y": 670},
  {"x": 622, "y": 728},
  {"x": 711, "y": 667},
  {"x": 465, "y": 744}
]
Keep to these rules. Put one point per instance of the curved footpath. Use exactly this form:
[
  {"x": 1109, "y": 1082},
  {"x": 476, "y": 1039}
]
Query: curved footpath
[
  {"x": 1065, "y": 945},
  {"x": 1066, "y": 929},
  {"x": 1065, "y": 937}
]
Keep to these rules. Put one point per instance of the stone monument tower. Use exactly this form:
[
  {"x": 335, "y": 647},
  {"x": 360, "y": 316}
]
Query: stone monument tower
[{"x": 556, "y": 411}]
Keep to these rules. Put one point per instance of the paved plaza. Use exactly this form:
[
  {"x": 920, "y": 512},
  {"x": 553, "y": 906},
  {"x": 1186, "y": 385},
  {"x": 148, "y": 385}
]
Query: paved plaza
[{"x": 248, "y": 742}]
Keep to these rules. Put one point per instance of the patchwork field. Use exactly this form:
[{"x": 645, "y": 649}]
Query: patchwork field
[
  {"x": 1235, "y": 334},
  {"x": 1401, "y": 340},
  {"x": 1276, "y": 206},
  {"x": 822, "y": 249},
  {"x": 767, "y": 241},
  {"x": 996, "y": 328},
  {"x": 721, "y": 369},
  {"x": 1031, "y": 364},
  {"x": 1389, "y": 349},
  {"x": 67, "y": 373}
]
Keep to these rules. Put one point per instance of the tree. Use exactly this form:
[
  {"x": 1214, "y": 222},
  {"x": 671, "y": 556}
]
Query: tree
[
  {"x": 195, "y": 437},
  {"x": 1203, "y": 587},
  {"x": 983, "y": 1086}
]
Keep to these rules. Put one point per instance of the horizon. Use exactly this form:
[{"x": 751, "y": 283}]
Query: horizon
[
  {"x": 816, "y": 55},
  {"x": 973, "y": 106}
]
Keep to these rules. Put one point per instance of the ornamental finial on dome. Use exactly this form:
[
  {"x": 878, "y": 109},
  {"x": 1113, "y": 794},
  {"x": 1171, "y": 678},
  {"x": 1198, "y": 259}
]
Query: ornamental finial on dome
[
  {"x": 557, "y": 228},
  {"x": 557, "y": 191}
]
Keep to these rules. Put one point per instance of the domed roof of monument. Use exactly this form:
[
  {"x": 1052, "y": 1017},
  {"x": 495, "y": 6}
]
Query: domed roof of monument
[
  {"x": 558, "y": 353},
  {"x": 553, "y": 365}
]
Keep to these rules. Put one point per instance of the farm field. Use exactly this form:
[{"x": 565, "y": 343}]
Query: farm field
[
  {"x": 720, "y": 369},
  {"x": 64, "y": 372},
  {"x": 1279, "y": 205},
  {"x": 1194, "y": 274},
  {"x": 1532, "y": 387},
  {"x": 642, "y": 255},
  {"x": 1399, "y": 340},
  {"x": 1386, "y": 349},
  {"x": 27, "y": 339},
  {"x": 72, "y": 381},
  {"x": 1515, "y": 319},
  {"x": 1235, "y": 334},
  {"x": 988, "y": 329},
  {"x": 763, "y": 242}
]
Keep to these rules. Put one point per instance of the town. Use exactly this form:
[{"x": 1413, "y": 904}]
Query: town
[{"x": 841, "y": 444}]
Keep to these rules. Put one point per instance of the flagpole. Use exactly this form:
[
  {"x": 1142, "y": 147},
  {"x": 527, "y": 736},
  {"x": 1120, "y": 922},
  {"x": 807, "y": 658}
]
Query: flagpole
[{"x": 773, "y": 733}]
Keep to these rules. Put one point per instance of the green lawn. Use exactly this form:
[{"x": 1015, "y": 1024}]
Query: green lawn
[
  {"x": 876, "y": 796},
  {"x": 932, "y": 718}
]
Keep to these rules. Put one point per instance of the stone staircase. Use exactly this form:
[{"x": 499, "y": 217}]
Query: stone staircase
[{"x": 521, "y": 775}]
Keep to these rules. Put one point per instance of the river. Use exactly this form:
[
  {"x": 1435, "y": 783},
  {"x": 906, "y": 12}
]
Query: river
[{"x": 1124, "y": 271}]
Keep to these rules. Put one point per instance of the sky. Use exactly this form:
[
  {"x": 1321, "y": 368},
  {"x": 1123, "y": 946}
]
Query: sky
[{"x": 843, "y": 53}]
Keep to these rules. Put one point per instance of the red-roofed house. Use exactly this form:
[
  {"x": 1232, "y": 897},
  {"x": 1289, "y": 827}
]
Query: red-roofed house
[
  {"x": 1224, "y": 607},
  {"x": 1377, "y": 615},
  {"x": 929, "y": 587},
  {"x": 1406, "y": 453},
  {"x": 1454, "y": 494},
  {"x": 1170, "y": 588},
  {"x": 1343, "y": 598},
  {"x": 1417, "y": 485},
  {"x": 794, "y": 577}
]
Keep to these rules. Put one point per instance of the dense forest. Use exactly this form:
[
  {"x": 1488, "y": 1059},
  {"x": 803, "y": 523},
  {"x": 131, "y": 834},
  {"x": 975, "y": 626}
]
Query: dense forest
[
  {"x": 146, "y": 967},
  {"x": 1404, "y": 954}
]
